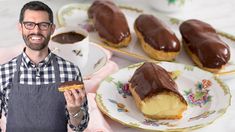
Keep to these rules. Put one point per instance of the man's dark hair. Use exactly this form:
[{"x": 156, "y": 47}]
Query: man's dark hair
[{"x": 36, "y": 6}]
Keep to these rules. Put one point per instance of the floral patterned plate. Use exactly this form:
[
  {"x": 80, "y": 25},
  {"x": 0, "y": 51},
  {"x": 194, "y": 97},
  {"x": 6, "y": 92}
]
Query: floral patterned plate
[
  {"x": 76, "y": 14},
  {"x": 207, "y": 97}
]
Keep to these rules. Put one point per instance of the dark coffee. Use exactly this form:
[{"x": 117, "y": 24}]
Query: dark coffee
[{"x": 68, "y": 38}]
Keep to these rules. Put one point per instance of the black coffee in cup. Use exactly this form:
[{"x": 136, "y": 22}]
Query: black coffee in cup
[
  {"x": 72, "y": 44},
  {"x": 68, "y": 38}
]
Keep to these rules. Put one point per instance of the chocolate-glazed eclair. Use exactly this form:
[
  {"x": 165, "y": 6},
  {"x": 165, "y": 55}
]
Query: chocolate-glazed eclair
[
  {"x": 70, "y": 85},
  {"x": 155, "y": 93},
  {"x": 110, "y": 23},
  {"x": 156, "y": 38},
  {"x": 204, "y": 46}
]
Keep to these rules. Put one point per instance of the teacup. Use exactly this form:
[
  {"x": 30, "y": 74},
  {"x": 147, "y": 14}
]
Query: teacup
[{"x": 72, "y": 44}]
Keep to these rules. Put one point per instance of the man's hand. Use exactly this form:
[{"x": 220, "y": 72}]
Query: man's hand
[{"x": 74, "y": 99}]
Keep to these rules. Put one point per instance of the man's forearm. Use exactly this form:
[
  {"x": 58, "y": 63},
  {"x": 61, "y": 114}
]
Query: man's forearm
[{"x": 75, "y": 119}]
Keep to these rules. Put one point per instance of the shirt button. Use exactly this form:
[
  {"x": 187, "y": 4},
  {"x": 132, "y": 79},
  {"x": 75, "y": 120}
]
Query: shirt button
[{"x": 37, "y": 78}]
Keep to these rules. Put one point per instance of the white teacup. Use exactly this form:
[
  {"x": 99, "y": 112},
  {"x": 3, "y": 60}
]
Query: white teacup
[{"x": 76, "y": 51}]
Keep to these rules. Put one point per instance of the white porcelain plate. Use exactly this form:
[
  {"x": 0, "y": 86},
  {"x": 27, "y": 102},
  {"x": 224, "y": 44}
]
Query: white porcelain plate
[
  {"x": 76, "y": 14},
  {"x": 207, "y": 97}
]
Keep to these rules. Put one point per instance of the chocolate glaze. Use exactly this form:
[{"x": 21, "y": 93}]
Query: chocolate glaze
[
  {"x": 109, "y": 21},
  {"x": 151, "y": 79},
  {"x": 202, "y": 40},
  {"x": 156, "y": 33},
  {"x": 68, "y": 38},
  {"x": 69, "y": 83}
]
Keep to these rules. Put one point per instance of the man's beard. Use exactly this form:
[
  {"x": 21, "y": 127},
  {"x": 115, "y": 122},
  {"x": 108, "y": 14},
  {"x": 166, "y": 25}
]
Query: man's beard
[{"x": 36, "y": 47}]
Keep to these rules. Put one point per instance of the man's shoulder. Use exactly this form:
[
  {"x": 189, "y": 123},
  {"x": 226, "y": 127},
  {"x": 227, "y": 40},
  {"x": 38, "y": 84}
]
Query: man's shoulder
[
  {"x": 8, "y": 66},
  {"x": 7, "y": 72}
]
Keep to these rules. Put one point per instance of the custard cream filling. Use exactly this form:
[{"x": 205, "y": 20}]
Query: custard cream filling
[{"x": 162, "y": 104}]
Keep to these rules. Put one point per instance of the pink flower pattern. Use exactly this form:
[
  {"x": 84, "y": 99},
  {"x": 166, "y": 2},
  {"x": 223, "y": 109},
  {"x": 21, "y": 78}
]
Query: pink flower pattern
[{"x": 200, "y": 96}]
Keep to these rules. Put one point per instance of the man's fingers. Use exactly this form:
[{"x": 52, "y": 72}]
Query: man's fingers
[
  {"x": 68, "y": 97},
  {"x": 76, "y": 95}
]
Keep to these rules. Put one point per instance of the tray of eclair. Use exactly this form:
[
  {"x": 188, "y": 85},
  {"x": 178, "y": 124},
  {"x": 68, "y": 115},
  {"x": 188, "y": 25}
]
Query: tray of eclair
[{"x": 178, "y": 85}]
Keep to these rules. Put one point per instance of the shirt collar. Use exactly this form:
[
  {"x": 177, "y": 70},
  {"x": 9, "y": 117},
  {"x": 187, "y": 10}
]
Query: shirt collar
[{"x": 28, "y": 63}]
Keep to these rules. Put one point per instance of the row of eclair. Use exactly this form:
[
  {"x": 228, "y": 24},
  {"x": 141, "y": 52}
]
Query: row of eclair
[{"x": 158, "y": 41}]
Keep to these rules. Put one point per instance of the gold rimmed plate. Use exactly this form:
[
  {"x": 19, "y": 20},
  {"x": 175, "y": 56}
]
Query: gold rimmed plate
[
  {"x": 207, "y": 96},
  {"x": 76, "y": 14}
]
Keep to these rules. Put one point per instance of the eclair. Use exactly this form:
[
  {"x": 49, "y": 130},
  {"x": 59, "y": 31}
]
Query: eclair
[
  {"x": 70, "y": 85},
  {"x": 155, "y": 93},
  {"x": 110, "y": 23},
  {"x": 204, "y": 46},
  {"x": 157, "y": 40}
]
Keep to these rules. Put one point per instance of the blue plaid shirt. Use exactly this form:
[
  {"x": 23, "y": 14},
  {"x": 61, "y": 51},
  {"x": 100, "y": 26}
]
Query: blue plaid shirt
[{"x": 37, "y": 75}]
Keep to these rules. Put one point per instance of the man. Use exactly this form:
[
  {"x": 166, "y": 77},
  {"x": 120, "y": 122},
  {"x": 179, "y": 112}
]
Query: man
[{"x": 29, "y": 83}]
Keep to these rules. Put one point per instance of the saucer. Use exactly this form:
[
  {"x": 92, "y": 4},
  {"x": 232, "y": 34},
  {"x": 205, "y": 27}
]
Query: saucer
[{"x": 97, "y": 58}]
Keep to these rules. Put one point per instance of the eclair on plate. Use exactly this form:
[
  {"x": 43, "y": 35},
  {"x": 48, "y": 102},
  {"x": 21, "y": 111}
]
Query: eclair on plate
[
  {"x": 204, "y": 46},
  {"x": 110, "y": 23},
  {"x": 156, "y": 38},
  {"x": 155, "y": 93}
]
